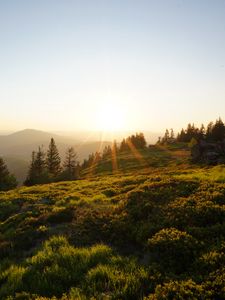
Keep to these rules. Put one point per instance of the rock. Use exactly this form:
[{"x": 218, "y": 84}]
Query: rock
[{"x": 209, "y": 153}]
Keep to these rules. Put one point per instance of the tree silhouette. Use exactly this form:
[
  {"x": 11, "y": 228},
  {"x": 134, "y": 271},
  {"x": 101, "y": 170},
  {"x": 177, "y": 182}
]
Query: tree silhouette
[
  {"x": 31, "y": 172},
  {"x": 218, "y": 131},
  {"x": 53, "y": 160},
  {"x": 71, "y": 168},
  {"x": 7, "y": 180},
  {"x": 37, "y": 172},
  {"x": 137, "y": 141},
  {"x": 107, "y": 152}
]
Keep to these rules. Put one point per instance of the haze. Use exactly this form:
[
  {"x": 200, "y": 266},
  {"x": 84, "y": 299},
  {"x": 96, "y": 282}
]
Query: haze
[{"x": 159, "y": 64}]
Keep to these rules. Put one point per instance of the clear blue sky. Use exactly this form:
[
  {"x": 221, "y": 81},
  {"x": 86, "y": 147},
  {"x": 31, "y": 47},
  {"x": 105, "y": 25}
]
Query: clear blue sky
[{"x": 162, "y": 63}]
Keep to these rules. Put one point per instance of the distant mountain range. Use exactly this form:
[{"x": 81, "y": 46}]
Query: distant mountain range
[{"x": 16, "y": 148}]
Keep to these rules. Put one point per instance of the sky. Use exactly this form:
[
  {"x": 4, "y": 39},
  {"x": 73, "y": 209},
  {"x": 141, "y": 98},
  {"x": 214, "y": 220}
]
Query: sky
[{"x": 113, "y": 64}]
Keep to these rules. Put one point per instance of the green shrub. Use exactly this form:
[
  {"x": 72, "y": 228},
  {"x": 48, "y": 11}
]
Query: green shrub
[
  {"x": 119, "y": 282},
  {"x": 110, "y": 192},
  {"x": 60, "y": 215},
  {"x": 172, "y": 249},
  {"x": 212, "y": 260},
  {"x": 12, "y": 279},
  {"x": 55, "y": 268},
  {"x": 175, "y": 290},
  {"x": 215, "y": 284}
]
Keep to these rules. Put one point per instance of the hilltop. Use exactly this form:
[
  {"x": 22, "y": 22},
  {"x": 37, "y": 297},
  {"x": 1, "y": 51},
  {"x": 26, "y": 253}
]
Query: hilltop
[{"x": 145, "y": 160}]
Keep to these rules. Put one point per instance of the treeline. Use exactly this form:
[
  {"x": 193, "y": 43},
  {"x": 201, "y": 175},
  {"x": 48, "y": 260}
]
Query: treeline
[
  {"x": 46, "y": 167},
  {"x": 213, "y": 132},
  {"x": 136, "y": 141}
]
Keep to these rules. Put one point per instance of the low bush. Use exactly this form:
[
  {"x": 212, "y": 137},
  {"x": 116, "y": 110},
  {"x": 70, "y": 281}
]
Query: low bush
[{"x": 173, "y": 250}]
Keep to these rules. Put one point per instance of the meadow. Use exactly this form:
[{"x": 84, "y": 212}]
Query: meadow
[{"x": 151, "y": 229}]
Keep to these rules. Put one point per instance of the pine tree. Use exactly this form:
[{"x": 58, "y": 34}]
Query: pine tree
[
  {"x": 37, "y": 173},
  {"x": 172, "y": 135},
  {"x": 181, "y": 137},
  {"x": 166, "y": 136},
  {"x": 209, "y": 131},
  {"x": 39, "y": 163},
  {"x": 140, "y": 141},
  {"x": 7, "y": 180},
  {"x": 53, "y": 160},
  {"x": 90, "y": 160},
  {"x": 107, "y": 151},
  {"x": 114, "y": 148},
  {"x": 123, "y": 146},
  {"x": 71, "y": 168},
  {"x": 30, "y": 180},
  {"x": 218, "y": 131}
]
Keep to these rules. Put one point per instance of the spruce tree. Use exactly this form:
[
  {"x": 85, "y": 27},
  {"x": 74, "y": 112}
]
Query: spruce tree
[
  {"x": 7, "y": 180},
  {"x": 37, "y": 172},
  {"x": 39, "y": 163},
  {"x": 141, "y": 140},
  {"x": 218, "y": 131},
  {"x": 209, "y": 132},
  {"x": 30, "y": 180},
  {"x": 53, "y": 160},
  {"x": 166, "y": 137},
  {"x": 114, "y": 148},
  {"x": 181, "y": 137},
  {"x": 124, "y": 145},
  {"x": 70, "y": 171},
  {"x": 107, "y": 151}
]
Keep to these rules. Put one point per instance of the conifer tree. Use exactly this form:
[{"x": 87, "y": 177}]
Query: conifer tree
[
  {"x": 114, "y": 148},
  {"x": 30, "y": 180},
  {"x": 39, "y": 163},
  {"x": 209, "y": 131},
  {"x": 140, "y": 140},
  {"x": 218, "y": 131},
  {"x": 53, "y": 160},
  {"x": 181, "y": 136},
  {"x": 90, "y": 159},
  {"x": 7, "y": 180},
  {"x": 123, "y": 145},
  {"x": 166, "y": 136},
  {"x": 71, "y": 168},
  {"x": 106, "y": 152},
  {"x": 37, "y": 172},
  {"x": 172, "y": 134}
]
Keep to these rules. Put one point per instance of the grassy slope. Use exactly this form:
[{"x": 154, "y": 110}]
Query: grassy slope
[
  {"x": 142, "y": 160},
  {"x": 164, "y": 227}
]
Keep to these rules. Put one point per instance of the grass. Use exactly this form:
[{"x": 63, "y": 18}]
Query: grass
[
  {"x": 155, "y": 156},
  {"x": 216, "y": 173},
  {"x": 153, "y": 233}
]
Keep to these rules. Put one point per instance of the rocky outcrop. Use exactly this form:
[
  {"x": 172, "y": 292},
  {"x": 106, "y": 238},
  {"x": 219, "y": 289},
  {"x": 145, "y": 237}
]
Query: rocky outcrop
[{"x": 209, "y": 153}]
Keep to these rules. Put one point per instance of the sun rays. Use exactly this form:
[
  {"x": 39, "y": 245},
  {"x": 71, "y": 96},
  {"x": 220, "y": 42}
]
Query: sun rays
[{"x": 109, "y": 159}]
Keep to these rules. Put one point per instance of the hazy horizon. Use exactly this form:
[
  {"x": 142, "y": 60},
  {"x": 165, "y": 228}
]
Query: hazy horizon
[
  {"x": 88, "y": 136},
  {"x": 111, "y": 65}
]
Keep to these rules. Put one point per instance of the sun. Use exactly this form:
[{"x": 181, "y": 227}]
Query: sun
[{"x": 110, "y": 117}]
